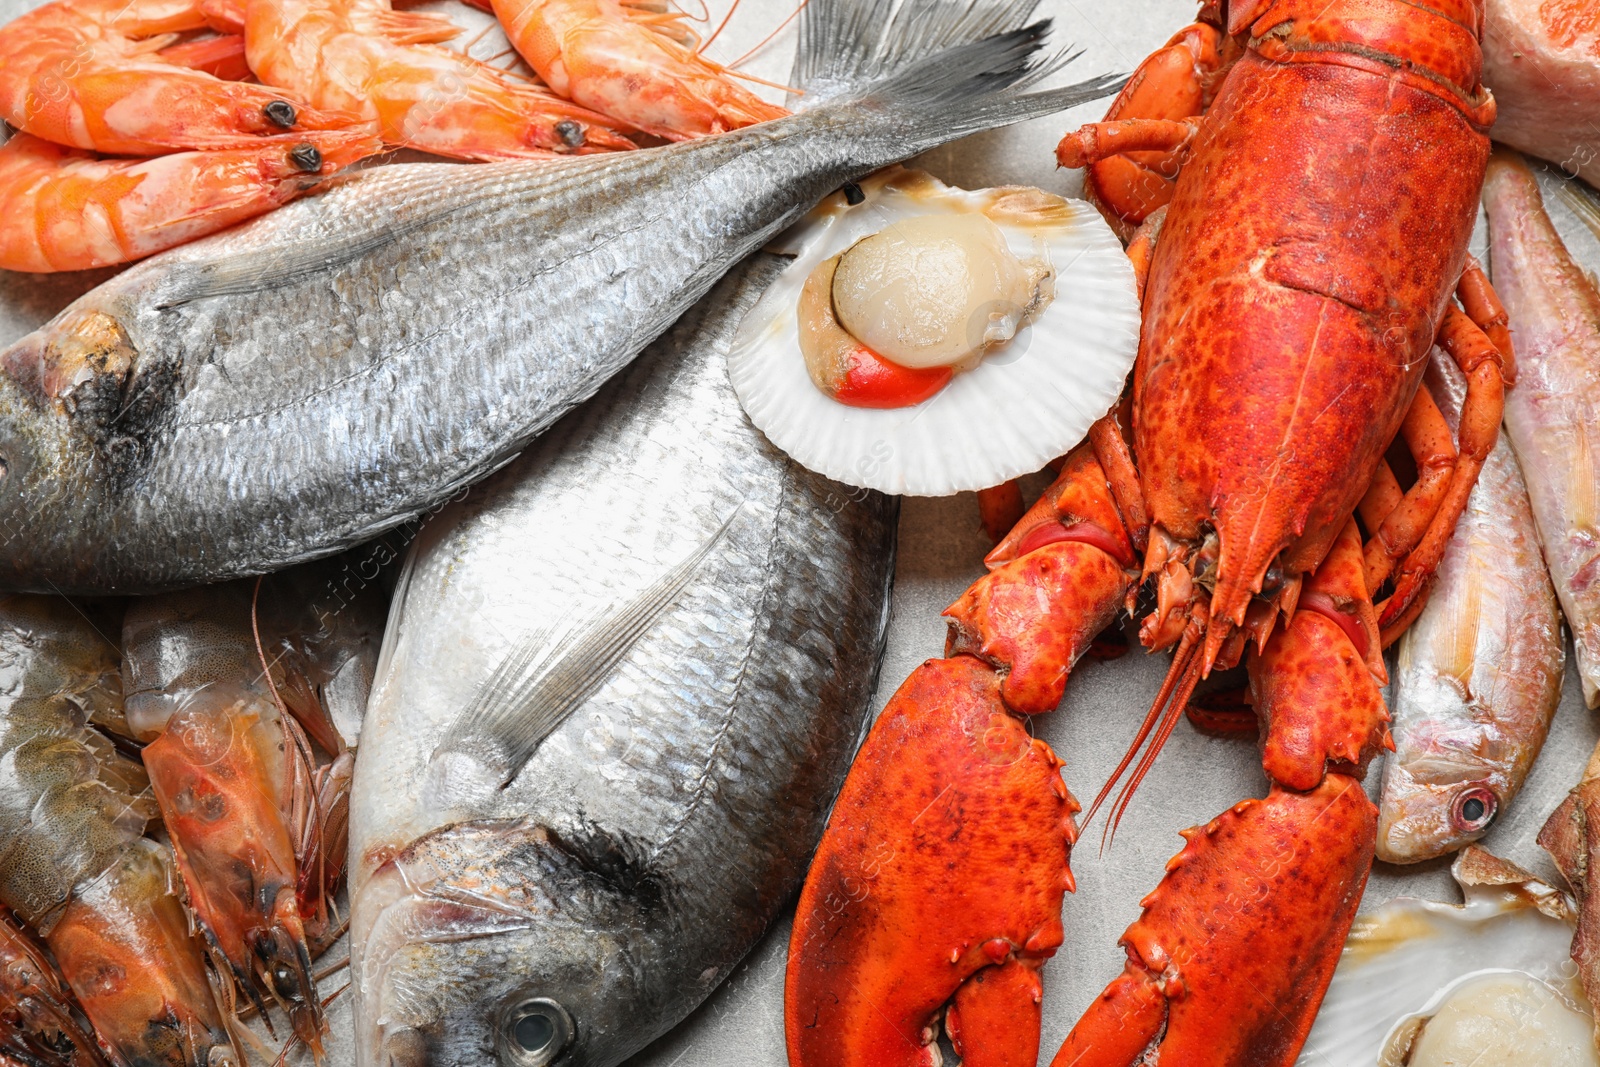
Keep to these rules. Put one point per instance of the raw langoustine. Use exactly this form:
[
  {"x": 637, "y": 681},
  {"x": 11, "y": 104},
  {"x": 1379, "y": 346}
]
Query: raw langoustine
[
  {"x": 1479, "y": 674},
  {"x": 67, "y": 209},
  {"x": 89, "y": 74},
  {"x": 633, "y": 61},
  {"x": 224, "y": 684},
  {"x": 41, "y": 1024},
  {"x": 74, "y": 864}
]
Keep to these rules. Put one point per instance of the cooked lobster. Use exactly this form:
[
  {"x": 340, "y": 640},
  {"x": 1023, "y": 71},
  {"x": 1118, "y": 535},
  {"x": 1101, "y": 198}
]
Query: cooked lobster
[{"x": 1299, "y": 181}]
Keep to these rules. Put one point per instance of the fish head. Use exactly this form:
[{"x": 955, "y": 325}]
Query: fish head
[
  {"x": 60, "y": 400},
  {"x": 502, "y": 942},
  {"x": 24, "y": 454},
  {"x": 1434, "y": 801}
]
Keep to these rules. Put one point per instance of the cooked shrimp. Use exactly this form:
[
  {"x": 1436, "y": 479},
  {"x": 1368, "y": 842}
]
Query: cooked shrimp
[
  {"x": 90, "y": 74},
  {"x": 632, "y": 60},
  {"x": 66, "y": 209},
  {"x": 40, "y": 1021},
  {"x": 233, "y": 776},
  {"x": 74, "y": 864},
  {"x": 361, "y": 56}
]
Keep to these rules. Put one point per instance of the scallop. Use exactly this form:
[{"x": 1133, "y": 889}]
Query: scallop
[
  {"x": 1017, "y": 307},
  {"x": 1488, "y": 983}
]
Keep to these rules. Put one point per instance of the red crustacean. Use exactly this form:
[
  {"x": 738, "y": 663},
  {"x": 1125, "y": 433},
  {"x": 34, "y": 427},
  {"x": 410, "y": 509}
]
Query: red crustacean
[{"x": 1300, "y": 182}]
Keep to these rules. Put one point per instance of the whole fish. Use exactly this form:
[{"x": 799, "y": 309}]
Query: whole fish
[
  {"x": 621, "y": 685},
  {"x": 1553, "y": 414},
  {"x": 1479, "y": 675},
  {"x": 304, "y": 382}
]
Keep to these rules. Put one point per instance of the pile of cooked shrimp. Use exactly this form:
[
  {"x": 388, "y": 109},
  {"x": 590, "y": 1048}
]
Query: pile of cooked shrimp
[{"x": 143, "y": 124}]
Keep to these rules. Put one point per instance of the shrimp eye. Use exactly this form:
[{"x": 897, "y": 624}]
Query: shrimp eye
[
  {"x": 537, "y": 1033},
  {"x": 280, "y": 113},
  {"x": 1474, "y": 809},
  {"x": 306, "y": 157},
  {"x": 570, "y": 132}
]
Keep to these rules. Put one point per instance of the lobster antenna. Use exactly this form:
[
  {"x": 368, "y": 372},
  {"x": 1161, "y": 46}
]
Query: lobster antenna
[
  {"x": 1177, "y": 676},
  {"x": 1175, "y": 708}
]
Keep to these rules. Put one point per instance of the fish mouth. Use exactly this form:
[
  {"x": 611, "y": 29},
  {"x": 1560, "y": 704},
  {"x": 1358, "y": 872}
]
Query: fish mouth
[
  {"x": 411, "y": 912},
  {"x": 1424, "y": 813}
]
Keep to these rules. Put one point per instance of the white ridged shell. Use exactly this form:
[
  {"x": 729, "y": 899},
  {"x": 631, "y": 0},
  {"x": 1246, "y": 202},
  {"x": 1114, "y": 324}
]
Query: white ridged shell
[
  {"x": 1404, "y": 958},
  {"x": 1028, "y": 402}
]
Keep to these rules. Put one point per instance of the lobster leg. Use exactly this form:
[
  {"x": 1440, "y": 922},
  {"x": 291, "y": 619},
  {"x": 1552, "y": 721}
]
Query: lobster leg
[
  {"x": 1484, "y": 308},
  {"x": 1432, "y": 445},
  {"x": 1382, "y": 497},
  {"x": 1133, "y": 156},
  {"x": 1286, "y": 871},
  {"x": 1482, "y": 362},
  {"x": 941, "y": 875},
  {"x": 1000, "y": 507}
]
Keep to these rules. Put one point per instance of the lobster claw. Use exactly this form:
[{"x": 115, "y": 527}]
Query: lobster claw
[
  {"x": 1228, "y": 963},
  {"x": 940, "y": 880}
]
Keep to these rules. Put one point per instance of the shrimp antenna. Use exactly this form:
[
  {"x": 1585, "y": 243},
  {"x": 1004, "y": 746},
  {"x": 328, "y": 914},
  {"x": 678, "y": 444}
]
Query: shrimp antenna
[
  {"x": 720, "y": 26},
  {"x": 766, "y": 41},
  {"x": 261, "y": 652},
  {"x": 705, "y": 12}
]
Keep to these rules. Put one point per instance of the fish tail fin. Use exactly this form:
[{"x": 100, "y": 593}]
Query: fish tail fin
[{"x": 933, "y": 71}]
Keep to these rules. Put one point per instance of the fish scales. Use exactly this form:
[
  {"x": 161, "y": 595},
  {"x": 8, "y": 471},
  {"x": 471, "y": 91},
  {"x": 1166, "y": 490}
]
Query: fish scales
[
  {"x": 302, "y": 383},
  {"x": 670, "y": 817}
]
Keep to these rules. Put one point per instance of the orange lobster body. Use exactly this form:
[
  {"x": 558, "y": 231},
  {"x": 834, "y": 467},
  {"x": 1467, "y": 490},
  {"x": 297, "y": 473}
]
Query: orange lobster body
[
  {"x": 1297, "y": 273},
  {"x": 1308, "y": 253}
]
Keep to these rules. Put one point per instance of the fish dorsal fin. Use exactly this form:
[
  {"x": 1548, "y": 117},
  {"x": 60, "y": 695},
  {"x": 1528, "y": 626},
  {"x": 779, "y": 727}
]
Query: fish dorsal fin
[{"x": 552, "y": 671}]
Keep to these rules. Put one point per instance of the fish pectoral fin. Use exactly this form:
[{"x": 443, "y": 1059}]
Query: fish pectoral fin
[{"x": 547, "y": 676}]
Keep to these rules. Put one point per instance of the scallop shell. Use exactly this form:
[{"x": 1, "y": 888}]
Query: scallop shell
[
  {"x": 1403, "y": 960},
  {"x": 1026, "y": 403}
]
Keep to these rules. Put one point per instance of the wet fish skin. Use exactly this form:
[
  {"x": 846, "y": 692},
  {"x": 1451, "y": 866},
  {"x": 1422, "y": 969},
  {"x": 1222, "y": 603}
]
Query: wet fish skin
[
  {"x": 652, "y": 836},
  {"x": 1553, "y": 413},
  {"x": 1479, "y": 673},
  {"x": 303, "y": 383}
]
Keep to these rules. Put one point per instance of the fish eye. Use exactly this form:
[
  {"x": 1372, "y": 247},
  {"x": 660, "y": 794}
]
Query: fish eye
[
  {"x": 1473, "y": 809},
  {"x": 537, "y": 1032}
]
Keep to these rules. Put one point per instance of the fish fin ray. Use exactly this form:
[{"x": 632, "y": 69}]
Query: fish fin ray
[{"x": 541, "y": 682}]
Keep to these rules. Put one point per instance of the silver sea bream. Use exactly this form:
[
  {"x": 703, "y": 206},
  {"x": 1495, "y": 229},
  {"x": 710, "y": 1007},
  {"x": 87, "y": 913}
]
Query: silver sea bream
[
  {"x": 622, "y": 683},
  {"x": 1479, "y": 673},
  {"x": 302, "y": 383}
]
